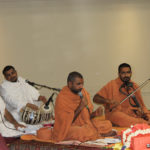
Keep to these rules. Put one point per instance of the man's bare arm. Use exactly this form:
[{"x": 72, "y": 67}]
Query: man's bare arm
[
  {"x": 11, "y": 119},
  {"x": 100, "y": 100}
]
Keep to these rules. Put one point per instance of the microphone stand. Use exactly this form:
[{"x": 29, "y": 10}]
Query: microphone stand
[
  {"x": 44, "y": 86},
  {"x": 141, "y": 86}
]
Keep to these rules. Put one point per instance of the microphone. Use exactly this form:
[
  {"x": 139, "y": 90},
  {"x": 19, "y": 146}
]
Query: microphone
[
  {"x": 49, "y": 100},
  {"x": 81, "y": 96},
  {"x": 31, "y": 83}
]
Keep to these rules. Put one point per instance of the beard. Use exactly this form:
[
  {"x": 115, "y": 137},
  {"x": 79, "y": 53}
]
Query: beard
[
  {"x": 126, "y": 79},
  {"x": 14, "y": 79},
  {"x": 76, "y": 91}
]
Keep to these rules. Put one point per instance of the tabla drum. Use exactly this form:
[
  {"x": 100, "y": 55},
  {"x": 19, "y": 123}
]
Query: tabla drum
[
  {"x": 30, "y": 116},
  {"x": 47, "y": 113}
]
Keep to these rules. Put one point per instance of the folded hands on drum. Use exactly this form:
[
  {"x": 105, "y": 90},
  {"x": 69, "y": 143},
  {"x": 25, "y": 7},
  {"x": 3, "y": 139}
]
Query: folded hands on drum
[
  {"x": 43, "y": 99},
  {"x": 35, "y": 107},
  {"x": 32, "y": 106}
]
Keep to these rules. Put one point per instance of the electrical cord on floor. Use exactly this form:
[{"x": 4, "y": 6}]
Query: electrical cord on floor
[{"x": 7, "y": 126}]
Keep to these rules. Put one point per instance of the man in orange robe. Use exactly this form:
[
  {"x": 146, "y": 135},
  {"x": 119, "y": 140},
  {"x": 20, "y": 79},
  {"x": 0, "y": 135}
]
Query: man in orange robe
[
  {"x": 114, "y": 92},
  {"x": 73, "y": 113}
]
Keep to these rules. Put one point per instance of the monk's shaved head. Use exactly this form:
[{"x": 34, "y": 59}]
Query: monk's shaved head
[
  {"x": 75, "y": 82},
  {"x": 123, "y": 65},
  {"x": 73, "y": 75}
]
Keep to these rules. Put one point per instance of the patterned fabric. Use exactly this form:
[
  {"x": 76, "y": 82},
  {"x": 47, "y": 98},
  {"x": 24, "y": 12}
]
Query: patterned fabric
[
  {"x": 33, "y": 145},
  {"x": 3, "y": 145}
]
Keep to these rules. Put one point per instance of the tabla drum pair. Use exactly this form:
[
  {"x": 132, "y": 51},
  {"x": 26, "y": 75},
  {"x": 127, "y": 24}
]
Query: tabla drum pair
[{"x": 30, "y": 116}]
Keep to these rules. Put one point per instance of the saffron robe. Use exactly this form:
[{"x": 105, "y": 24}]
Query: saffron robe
[
  {"x": 123, "y": 115},
  {"x": 82, "y": 128}
]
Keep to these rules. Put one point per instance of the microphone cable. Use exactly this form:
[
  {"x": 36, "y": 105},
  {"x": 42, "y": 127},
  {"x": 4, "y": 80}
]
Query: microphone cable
[{"x": 6, "y": 125}]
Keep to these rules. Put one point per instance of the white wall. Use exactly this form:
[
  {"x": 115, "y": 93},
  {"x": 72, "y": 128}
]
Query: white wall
[{"x": 47, "y": 39}]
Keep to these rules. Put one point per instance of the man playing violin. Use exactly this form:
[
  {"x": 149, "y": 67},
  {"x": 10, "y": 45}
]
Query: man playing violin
[{"x": 132, "y": 110}]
